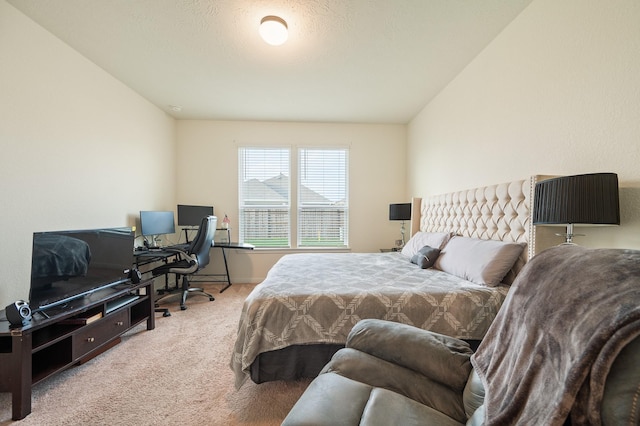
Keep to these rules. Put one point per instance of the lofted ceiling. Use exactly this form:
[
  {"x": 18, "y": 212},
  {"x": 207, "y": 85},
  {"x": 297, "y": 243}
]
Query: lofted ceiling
[{"x": 366, "y": 61}]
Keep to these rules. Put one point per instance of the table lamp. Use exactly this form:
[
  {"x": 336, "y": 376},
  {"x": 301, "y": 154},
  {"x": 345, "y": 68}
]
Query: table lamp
[
  {"x": 589, "y": 199},
  {"x": 400, "y": 212}
]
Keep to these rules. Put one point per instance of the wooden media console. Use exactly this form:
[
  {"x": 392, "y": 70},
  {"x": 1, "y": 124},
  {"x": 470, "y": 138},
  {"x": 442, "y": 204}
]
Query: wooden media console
[{"x": 65, "y": 336}]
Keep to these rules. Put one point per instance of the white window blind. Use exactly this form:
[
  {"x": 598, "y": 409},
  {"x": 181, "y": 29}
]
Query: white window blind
[
  {"x": 264, "y": 196},
  {"x": 323, "y": 202}
]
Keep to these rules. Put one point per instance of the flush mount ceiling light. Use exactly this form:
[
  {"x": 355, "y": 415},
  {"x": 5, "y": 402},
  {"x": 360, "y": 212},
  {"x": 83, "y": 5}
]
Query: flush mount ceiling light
[{"x": 274, "y": 30}]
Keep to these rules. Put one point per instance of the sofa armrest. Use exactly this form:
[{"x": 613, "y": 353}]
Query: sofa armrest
[
  {"x": 441, "y": 358},
  {"x": 622, "y": 388}
]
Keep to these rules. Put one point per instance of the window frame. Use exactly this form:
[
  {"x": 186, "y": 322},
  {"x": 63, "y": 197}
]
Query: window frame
[
  {"x": 242, "y": 206},
  {"x": 342, "y": 208},
  {"x": 294, "y": 206}
]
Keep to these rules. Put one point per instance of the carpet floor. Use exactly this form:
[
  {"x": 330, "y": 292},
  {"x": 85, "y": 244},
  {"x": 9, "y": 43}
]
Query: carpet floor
[{"x": 176, "y": 374}]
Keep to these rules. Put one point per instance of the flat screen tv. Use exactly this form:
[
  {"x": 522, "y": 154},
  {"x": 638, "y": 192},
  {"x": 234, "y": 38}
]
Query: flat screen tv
[
  {"x": 192, "y": 215},
  {"x": 67, "y": 265}
]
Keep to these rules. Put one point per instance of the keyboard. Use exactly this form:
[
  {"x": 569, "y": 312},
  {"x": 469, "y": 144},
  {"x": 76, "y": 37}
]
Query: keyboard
[{"x": 183, "y": 246}]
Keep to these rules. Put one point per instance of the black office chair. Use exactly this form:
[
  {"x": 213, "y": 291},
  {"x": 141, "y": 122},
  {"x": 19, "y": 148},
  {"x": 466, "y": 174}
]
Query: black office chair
[{"x": 192, "y": 260}]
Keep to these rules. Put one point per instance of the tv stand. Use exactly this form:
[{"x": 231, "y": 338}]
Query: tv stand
[{"x": 62, "y": 337}]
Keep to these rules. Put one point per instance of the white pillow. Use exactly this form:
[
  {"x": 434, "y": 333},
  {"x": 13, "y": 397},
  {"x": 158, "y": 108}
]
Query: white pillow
[
  {"x": 479, "y": 261},
  {"x": 420, "y": 239}
]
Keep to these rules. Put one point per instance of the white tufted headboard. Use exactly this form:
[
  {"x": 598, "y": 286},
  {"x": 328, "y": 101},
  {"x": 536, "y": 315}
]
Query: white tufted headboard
[{"x": 497, "y": 212}]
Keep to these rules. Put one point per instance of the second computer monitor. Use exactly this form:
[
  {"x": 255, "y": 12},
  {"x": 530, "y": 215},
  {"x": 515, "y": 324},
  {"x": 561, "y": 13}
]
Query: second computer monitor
[
  {"x": 157, "y": 223},
  {"x": 192, "y": 215}
]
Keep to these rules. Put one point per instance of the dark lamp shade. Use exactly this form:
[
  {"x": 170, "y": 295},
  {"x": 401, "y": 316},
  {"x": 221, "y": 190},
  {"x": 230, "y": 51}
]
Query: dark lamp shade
[
  {"x": 582, "y": 199},
  {"x": 400, "y": 211}
]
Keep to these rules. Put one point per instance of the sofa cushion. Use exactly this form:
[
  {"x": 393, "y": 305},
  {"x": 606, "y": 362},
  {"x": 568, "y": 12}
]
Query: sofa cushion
[
  {"x": 389, "y": 408},
  {"x": 366, "y": 368},
  {"x": 330, "y": 399}
]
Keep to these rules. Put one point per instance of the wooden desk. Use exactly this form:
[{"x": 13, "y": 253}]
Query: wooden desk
[
  {"x": 226, "y": 278},
  {"x": 150, "y": 256}
]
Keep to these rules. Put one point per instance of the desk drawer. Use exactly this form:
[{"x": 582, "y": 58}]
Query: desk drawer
[{"x": 98, "y": 333}]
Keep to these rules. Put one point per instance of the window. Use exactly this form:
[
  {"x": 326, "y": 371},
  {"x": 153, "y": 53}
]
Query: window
[
  {"x": 320, "y": 193},
  {"x": 264, "y": 194},
  {"x": 322, "y": 198}
]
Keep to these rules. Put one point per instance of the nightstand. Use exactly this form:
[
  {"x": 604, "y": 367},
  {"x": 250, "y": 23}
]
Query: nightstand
[{"x": 387, "y": 250}]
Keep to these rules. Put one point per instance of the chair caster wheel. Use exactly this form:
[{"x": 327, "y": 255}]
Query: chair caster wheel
[
  {"x": 183, "y": 308},
  {"x": 166, "y": 314},
  {"x": 211, "y": 299}
]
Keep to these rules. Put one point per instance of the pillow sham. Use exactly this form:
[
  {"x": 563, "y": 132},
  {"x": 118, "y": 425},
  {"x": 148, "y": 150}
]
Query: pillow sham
[
  {"x": 426, "y": 257},
  {"x": 479, "y": 261},
  {"x": 420, "y": 239}
]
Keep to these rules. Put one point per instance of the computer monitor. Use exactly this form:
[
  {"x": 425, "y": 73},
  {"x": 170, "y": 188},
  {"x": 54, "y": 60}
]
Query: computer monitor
[
  {"x": 192, "y": 215},
  {"x": 154, "y": 223}
]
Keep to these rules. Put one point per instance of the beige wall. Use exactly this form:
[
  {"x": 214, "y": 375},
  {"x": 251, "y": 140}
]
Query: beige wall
[
  {"x": 557, "y": 92},
  {"x": 75, "y": 146},
  {"x": 208, "y": 174}
]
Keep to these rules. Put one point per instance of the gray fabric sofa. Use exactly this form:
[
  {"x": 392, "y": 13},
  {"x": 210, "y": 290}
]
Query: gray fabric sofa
[{"x": 565, "y": 349}]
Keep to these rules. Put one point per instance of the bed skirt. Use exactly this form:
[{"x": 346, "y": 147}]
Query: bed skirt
[
  {"x": 299, "y": 362},
  {"x": 292, "y": 363}
]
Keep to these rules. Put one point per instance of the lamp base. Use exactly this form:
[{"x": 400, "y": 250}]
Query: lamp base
[
  {"x": 402, "y": 232},
  {"x": 569, "y": 235}
]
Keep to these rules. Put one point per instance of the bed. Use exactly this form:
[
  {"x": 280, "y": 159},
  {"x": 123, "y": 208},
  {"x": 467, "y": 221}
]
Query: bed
[{"x": 293, "y": 322}]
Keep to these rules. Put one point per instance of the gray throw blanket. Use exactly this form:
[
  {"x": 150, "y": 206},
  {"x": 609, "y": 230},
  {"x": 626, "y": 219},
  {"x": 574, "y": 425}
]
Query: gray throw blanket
[{"x": 547, "y": 354}]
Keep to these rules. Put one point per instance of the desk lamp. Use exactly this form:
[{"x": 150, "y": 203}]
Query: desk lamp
[
  {"x": 590, "y": 199},
  {"x": 400, "y": 212}
]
